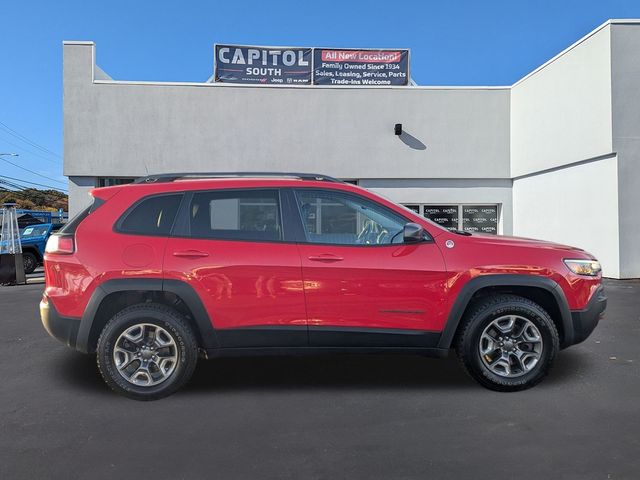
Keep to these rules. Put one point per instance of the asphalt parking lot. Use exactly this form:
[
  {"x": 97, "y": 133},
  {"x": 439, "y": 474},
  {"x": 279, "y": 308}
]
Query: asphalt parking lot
[{"x": 321, "y": 417}]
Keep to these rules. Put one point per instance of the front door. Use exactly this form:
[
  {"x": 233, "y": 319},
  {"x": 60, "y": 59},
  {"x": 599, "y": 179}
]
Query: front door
[
  {"x": 363, "y": 285},
  {"x": 230, "y": 247}
]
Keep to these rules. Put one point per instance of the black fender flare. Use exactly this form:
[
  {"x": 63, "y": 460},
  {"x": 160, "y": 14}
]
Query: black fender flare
[
  {"x": 505, "y": 280},
  {"x": 177, "y": 287}
]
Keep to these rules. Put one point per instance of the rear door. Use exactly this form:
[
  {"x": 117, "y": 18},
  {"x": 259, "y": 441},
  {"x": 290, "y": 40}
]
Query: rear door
[
  {"x": 230, "y": 246},
  {"x": 363, "y": 285}
]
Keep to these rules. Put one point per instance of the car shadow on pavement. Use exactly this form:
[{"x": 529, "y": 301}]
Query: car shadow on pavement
[
  {"x": 346, "y": 371},
  {"x": 326, "y": 372},
  {"x": 79, "y": 371}
]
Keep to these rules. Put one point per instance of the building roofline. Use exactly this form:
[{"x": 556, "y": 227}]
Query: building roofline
[
  {"x": 78, "y": 42},
  {"x": 314, "y": 87},
  {"x": 620, "y": 21},
  {"x": 629, "y": 21}
]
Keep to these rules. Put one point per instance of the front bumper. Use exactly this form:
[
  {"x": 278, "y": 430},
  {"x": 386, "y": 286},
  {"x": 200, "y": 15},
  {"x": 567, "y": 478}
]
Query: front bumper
[
  {"x": 61, "y": 328},
  {"x": 585, "y": 321}
]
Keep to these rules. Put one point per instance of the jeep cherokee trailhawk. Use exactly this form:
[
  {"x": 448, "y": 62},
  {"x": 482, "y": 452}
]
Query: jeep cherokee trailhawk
[{"x": 174, "y": 267}]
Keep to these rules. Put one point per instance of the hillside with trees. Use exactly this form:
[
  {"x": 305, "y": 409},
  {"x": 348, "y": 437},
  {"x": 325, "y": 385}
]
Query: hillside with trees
[{"x": 34, "y": 199}]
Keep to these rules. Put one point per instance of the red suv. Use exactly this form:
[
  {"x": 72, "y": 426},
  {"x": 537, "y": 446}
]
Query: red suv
[{"x": 157, "y": 273}]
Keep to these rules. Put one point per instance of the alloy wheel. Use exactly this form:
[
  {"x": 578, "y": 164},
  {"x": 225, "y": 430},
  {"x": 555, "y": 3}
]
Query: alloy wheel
[
  {"x": 510, "y": 346},
  {"x": 145, "y": 354}
]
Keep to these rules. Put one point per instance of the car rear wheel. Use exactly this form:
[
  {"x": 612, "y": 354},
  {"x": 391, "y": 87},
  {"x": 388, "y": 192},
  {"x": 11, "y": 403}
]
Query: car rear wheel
[
  {"x": 146, "y": 352},
  {"x": 30, "y": 262},
  {"x": 508, "y": 343}
]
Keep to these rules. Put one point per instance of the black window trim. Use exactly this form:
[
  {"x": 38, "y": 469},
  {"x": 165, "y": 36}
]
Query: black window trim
[
  {"x": 117, "y": 226},
  {"x": 182, "y": 227},
  {"x": 72, "y": 225},
  {"x": 302, "y": 238}
]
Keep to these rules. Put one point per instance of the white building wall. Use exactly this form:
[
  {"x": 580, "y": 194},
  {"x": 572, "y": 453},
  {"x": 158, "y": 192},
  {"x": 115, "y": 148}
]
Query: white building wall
[
  {"x": 79, "y": 197},
  {"x": 625, "y": 45},
  {"x": 131, "y": 128},
  {"x": 561, "y": 112},
  {"x": 576, "y": 206}
]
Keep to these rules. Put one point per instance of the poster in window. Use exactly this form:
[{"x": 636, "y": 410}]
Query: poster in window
[
  {"x": 413, "y": 208},
  {"x": 480, "y": 219},
  {"x": 444, "y": 215}
]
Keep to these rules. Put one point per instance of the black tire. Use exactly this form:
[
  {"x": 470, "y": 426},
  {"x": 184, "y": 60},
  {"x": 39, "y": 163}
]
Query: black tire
[
  {"x": 481, "y": 316},
  {"x": 173, "y": 324},
  {"x": 30, "y": 262}
]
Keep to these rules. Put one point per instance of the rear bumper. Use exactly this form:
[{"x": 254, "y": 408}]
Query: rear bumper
[
  {"x": 585, "y": 321},
  {"x": 61, "y": 328}
]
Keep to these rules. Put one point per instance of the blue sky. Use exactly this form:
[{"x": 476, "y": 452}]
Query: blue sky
[{"x": 452, "y": 43}]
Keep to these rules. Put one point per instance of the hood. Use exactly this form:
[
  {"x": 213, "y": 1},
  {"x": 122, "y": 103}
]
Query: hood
[{"x": 520, "y": 242}]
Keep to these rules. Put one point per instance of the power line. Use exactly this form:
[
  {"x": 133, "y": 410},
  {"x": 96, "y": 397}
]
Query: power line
[
  {"x": 11, "y": 131},
  {"x": 33, "y": 183},
  {"x": 21, "y": 191},
  {"x": 31, "y": 171},
  {"x": 56, "y": 162},
  {"x": 12, "y": 185}
]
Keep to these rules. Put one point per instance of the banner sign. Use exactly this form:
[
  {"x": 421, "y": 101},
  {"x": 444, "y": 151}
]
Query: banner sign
[
  {"x": 262, "y": 65},
  {"x": 360, "y": 67}
]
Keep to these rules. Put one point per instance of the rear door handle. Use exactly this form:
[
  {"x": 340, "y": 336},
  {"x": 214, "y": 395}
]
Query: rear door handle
[
  {"x": 190, "y": 253},
  {"x": 325, "y": 257}
]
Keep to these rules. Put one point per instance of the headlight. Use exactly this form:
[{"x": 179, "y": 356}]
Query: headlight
[{"x": 583, "y": 267}]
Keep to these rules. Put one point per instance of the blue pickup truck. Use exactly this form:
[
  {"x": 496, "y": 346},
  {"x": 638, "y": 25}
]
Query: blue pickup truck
[{"x": 33, "y": 239}]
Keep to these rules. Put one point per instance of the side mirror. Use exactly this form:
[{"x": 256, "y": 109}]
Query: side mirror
[{"x": 413, "y": 233}]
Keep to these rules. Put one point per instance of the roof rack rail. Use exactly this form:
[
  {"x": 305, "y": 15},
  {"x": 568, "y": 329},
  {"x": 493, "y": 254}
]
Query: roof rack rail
[{"x": 170, "y": 177}]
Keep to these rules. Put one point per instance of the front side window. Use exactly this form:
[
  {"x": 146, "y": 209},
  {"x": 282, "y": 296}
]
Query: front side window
[
  {"x": 342, "y": 219},
  {"x": 252, "y": 215},
  {"x": 152, "y": 216}
]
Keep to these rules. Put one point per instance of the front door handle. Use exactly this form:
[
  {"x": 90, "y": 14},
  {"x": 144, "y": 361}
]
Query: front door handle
[
  {"x": 190, "y": 253},
  {"x": 325, "y": 257}
]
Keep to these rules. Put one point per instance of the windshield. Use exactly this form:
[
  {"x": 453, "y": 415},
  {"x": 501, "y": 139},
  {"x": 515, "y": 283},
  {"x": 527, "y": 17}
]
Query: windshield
[{"x": 33, "y": 231}]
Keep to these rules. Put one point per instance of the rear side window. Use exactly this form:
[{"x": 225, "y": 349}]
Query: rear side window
[
  {"x": 252, "y": 215},
  {"x": 151, "y": 216}
]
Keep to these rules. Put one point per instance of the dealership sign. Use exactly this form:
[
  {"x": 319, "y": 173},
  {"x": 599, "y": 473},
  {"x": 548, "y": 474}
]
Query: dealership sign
[
  {"x": 360, "y": 67},
  {"x": 305, "y": 66},
  {"x": 262, "y": 65}
]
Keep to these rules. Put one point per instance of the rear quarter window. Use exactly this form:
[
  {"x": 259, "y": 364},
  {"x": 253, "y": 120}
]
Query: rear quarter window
[{"x": 151, "y": 216}]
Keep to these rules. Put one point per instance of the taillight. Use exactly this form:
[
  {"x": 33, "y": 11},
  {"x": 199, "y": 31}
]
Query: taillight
[{"x": 60, "y": 244}]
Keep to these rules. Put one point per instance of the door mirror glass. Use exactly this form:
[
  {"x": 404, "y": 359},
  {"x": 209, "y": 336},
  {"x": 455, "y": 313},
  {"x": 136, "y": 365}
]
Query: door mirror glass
[{"x": 413, "y": 233}]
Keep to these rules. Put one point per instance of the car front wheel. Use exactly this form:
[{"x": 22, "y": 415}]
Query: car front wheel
[
  {"x": 508, "y": 343},
  {"x": 146, "y": 352}
]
